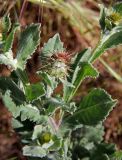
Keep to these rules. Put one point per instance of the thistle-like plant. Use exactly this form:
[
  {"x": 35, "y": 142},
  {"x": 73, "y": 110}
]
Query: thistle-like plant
[{"x": 46, "y": 121}]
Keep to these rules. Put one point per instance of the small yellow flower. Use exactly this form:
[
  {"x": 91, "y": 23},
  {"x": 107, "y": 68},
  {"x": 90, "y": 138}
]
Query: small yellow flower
[{"x": 115, "y": 18}]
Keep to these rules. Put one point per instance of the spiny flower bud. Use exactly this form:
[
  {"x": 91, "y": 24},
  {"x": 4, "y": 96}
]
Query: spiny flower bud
[{"x": 58, "y": 65}]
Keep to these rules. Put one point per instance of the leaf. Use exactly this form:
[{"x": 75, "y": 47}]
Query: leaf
[
  {"x": 82, "y": 71},
  {"x": 29, "y": 40},
  {"x": 57, "y": 144},
  {"x": 26, "y": 111},
  {"x": 6, "y": 24},
  {"x": 101, "y": 157},
  {"x": 48, "y": 79},
  {"x": 52, "y": 46},
  {"x": 93, "y": 108},
  {"x": 117, "y": 155},
  {"x": 92, "y": 134},
  {"x": 9, "y": 40},
  {"x": 7, "y": 100},
  {"x": 34, "y": 91},
  {"x": 110, "y": 40},
  {"x": 103, "y": 151},
  {"x": 17, "y": 94},
  {"x": 30, "y": 112},
  {"x": 7, "y": 59},
  {"x": 81, "y": 57},
  {"x": 23, "y": 76},
  {"x": 16, "y": 124},
  {"x": 102, "y": 18},
  {"x": 37, "y": 131},
  {"x": 118, "y": 8},
  {"x": 34, "y": 151}
]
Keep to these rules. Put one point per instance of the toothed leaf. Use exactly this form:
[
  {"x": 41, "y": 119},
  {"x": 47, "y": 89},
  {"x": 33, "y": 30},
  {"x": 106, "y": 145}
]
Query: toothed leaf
[
  {"x": 24, "y": 111},
  {"x": 9, "y": 40},
  {"x": 30, "y": 112},
  {"x": 17, "y": 94},
  {"x": 10, "y": 104},
  {"x": 82, "y": 71},
  {"x": 52, "y": 46},
  {"x": 110, "y": 40},
  {"x": 92, "y": 109},
  {"x": 28, "y": 42}
]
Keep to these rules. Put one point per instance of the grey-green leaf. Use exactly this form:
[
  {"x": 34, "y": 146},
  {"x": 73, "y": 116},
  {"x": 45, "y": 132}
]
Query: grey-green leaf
[
  {"x": 7, "y": 59},
  {"x": 30, "y": 112},
  {"x": 93, "y": 108},
  {"x": 28, "y": 42},
  {"x": 7, "y": 100},
  {"x": 52, "y": 46},
  {"x": 34, "y": 151},
  {"x": 26, "y": 111}
]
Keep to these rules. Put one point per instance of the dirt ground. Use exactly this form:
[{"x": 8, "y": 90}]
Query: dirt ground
[{"x": 9, "y": 141}]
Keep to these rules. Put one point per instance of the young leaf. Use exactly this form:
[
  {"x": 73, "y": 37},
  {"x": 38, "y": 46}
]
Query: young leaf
[
  {"x": 53, "y": 45},
  {"x": 29, "y": 40},
  {"x": 34, "y": 91},
  {"x": 10, "y": 38},
  {"x": 93, "y": 108}
]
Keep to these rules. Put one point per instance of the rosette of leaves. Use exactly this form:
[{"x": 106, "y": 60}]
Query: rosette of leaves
[{"x": 44, "y": 120}]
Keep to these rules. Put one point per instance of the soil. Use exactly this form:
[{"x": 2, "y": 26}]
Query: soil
[{"x": 53, "y": 22}]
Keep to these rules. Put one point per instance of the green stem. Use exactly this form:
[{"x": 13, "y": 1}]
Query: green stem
[{"x": 97, "y": 51}]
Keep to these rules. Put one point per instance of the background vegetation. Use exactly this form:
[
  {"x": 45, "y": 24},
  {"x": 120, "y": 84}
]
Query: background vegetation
[{"x": 77, "y": 23}]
